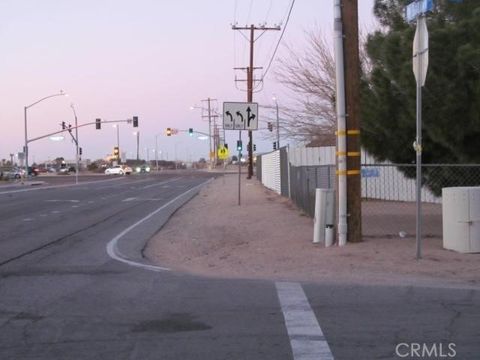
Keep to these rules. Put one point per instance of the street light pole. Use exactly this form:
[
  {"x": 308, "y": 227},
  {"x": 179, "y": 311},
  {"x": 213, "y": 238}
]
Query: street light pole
[
  {"x": 138, "y": 143},
  {"x": 175, "y": 150},
  {"x": 156, "y": 151},
  {"x": 25, "y": 108},
  {"x": 278, "y": 124},
  {"x": 76, "y": 145},
  {"x": 117, "y": 126}
]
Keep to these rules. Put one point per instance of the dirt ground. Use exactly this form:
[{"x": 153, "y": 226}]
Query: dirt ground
[{"x": 267, "y": 237}]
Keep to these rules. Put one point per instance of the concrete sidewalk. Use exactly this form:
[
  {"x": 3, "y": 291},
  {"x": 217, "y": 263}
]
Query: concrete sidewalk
[{"x": 267, "y": 237}]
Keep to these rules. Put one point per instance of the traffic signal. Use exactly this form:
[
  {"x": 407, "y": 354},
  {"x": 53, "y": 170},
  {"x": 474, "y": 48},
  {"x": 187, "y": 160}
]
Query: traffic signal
[
  {"x": 169, "y": 132},
  {"x": 98, "y": 124},
  {"x": 254, "y": 147},
  {"x": 239, "y": 145},
  {"x": 135, "y": 121},
  {"x": 70, "y": 128},
  {"x": 63, "y": 125},
  {"x": 270, "y": 126},
  {"x": 225, "y": 146},
  {"x": 80, "y": 151},
  {"x": 190, "y": 131},
  {"x": 115, "y": 151},
  {"x": 274, "y": 145}
]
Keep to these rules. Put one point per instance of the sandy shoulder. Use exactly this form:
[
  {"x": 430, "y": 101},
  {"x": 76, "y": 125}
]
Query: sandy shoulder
[{"x": 267, "y": 237}]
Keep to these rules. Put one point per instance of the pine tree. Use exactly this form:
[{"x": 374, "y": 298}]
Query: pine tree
[{"x": 451, "y": 96}]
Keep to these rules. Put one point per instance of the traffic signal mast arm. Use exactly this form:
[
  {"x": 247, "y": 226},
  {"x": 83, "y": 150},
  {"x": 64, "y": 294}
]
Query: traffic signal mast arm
[
  {"x": 196, "y": 132},
  {"x": 76, "y": 127}
]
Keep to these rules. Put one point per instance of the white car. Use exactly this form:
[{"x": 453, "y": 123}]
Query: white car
[
  {"x": 115, "y": 170},
  {"x": 127, "y": 169}
]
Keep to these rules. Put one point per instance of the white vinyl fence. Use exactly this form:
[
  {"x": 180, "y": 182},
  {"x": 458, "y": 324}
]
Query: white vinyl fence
[
  {"x": 271, "y": 176},
  {"x": 380, "y": 180}
]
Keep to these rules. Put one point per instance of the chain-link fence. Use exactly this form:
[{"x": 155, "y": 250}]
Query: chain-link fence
[
  {"x": 389, "y": 197},
  {"x": 388, "y": 194},
  {"x": 305, "y": 179}
]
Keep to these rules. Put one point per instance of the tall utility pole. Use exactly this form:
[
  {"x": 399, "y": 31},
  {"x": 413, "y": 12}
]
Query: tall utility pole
[
  {"x": 349, "y": 10},
  {"x": 250, "y": 69},
  {"x": 210, "y": 117}
]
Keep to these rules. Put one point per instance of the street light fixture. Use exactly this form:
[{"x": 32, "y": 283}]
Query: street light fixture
[
  {"x": 209, "y": 110},
  {"x": 25, "y": 108}
]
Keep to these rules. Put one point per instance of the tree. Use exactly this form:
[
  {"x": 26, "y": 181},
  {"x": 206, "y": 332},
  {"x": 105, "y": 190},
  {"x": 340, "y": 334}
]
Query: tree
[
  {"x": 311, "y": 78},
  {"x": 451, "y": 96}
]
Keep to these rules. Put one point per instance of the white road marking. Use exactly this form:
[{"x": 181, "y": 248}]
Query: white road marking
[
  {"x": 148, "y": 186},
  {"x": 306, "y": 337},
  {"x": 75, "y": 206},
  {"x": 28, "y": 219},
  {"x": 161, "y": 183},
  {"x": 54, "y": 212},
  {"x": 55, "y": 186},
  {"x": 72, "y": 201},
  {"x": 142, "y": 199},
  {"x": 112, "y": 246}
]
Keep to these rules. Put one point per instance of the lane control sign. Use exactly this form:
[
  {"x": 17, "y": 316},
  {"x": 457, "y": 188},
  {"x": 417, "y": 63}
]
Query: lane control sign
[{"x": 240, "y": 116}]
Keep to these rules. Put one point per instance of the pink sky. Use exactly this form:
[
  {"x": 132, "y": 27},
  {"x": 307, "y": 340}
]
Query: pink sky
[{"x": 150, "y": 58}]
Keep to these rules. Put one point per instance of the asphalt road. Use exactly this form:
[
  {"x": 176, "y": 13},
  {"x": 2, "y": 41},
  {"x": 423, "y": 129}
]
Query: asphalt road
[{"x": 74, "y": 285}]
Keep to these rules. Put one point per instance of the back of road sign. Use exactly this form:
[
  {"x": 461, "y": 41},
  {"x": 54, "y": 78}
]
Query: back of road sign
[{"x": 420, "y": 51}]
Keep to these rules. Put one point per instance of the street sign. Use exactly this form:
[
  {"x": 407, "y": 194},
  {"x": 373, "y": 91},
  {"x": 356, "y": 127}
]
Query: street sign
[
  {"x": 420, "y": 51},
  {"x": 370, "y": 172},
  {"x": 418, "y": 7},
  {"x": 240, "y": 116},
  {"x": 223, "y": 153}
]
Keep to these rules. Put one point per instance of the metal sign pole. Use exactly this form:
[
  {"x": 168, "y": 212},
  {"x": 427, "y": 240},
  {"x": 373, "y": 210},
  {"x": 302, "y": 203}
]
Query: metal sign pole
[
  {"x": 419, "y": 171},
  {"x": 420, "y": 65},
  {"x": 239, "y": 166}
]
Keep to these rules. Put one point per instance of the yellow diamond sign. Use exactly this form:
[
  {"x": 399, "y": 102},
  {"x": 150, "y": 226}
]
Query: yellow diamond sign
[{"x": 222, "y": 153}]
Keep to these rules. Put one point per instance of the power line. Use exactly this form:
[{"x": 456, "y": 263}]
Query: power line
[{"x": 279, "y": 40}]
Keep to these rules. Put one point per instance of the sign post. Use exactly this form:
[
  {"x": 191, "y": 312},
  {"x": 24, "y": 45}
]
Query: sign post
[
  {"x": 417, "y": 10},
  {"x": 240, "y": 116}
]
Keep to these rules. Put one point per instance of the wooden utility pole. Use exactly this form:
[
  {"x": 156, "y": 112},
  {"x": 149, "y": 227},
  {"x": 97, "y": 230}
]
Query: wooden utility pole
[
  {"x": 250, "y": 82},
  {"x": 212, "y": 153},
  {"x": 352, "y": 97}
]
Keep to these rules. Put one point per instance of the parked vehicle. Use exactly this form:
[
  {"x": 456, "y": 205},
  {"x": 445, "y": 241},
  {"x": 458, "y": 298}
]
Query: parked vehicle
[{"x": 115, "y": 170}]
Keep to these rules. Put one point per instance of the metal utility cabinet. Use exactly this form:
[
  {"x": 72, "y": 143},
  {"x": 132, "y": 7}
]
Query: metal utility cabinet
[
  {"x": 324, "y": 216},
  {"x": 461, "y": 219}
]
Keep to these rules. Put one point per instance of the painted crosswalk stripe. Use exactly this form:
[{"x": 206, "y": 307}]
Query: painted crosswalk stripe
[{"x": 306, "y": 337}]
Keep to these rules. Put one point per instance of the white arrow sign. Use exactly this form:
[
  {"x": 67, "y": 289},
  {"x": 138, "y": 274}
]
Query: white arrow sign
[
  {"x": 420, "y": 51},
  {"x": 240, "y": 116}
]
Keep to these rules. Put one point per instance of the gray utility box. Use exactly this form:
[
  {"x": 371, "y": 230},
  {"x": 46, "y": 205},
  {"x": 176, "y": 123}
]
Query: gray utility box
[
  {"x": 324, "y": 213},
  {"x": 461, "y": 219}
]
